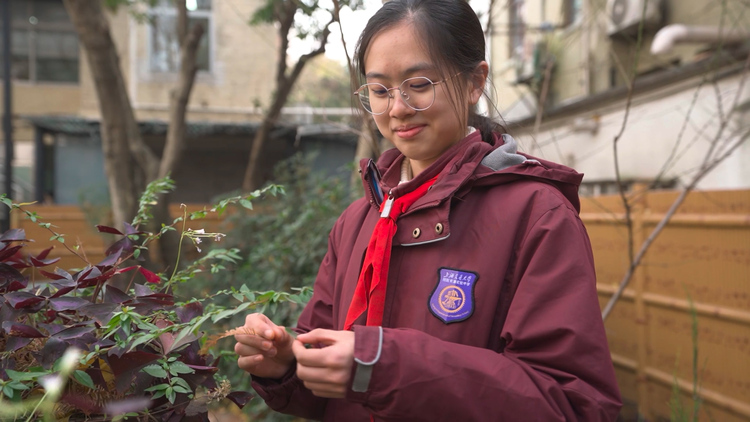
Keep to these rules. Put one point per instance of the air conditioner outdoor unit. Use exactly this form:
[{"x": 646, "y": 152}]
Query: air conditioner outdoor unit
[{"x": 625, "y": 16}]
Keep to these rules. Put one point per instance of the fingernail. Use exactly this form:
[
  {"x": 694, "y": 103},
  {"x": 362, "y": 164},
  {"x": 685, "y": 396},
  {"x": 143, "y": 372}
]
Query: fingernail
[{"x": 258, "y": 358}]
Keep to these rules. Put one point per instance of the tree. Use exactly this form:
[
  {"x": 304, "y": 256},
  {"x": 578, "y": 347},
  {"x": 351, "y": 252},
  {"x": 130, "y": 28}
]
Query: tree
[
  {"x": 290, "y": 17},
  {"x": 129, "y": 163}
]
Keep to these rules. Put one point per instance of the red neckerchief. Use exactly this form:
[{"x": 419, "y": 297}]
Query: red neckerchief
[{"x": 369, "y": 294}]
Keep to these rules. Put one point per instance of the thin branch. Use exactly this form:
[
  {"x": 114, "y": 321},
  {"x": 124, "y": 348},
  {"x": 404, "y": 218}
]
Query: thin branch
[
  {"x": 664, "y": 221},
  {"x": 707, "y": 166},
  {"x": 542, "y": 100}
]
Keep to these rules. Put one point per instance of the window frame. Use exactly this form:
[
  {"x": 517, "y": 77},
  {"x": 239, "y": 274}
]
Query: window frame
[
  {"x": 31, "y": 47},
  {"x": 516, "y": 28},
  {"x": 162, "y": 10}
]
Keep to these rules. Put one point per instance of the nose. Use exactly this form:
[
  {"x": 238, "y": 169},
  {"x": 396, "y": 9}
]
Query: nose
[{"x": 399, "y": 108}]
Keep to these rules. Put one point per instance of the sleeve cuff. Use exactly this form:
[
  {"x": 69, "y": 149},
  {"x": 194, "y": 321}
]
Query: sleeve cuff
[
  {"x": 368, "y": 347},
  {"x": 272, "y": 390}
]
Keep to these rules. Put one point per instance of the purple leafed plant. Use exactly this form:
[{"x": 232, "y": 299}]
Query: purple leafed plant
[{"x": 140, "y": 346}]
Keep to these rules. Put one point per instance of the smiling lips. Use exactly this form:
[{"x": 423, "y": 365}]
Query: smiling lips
[{"x": 409, "y": 131}]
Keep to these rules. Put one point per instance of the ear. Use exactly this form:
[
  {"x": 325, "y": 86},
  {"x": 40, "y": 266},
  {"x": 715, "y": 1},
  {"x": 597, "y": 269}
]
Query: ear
[{"x": 478, "y": 80}]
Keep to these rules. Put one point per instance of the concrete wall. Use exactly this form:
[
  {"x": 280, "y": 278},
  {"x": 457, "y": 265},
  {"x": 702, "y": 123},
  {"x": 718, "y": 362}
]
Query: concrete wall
[{"x": 652, "y": 133}]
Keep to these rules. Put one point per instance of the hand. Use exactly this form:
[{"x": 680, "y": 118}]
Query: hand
[
  {"x": 267, "y": 353},
  {"x": 325, "y": 368}
]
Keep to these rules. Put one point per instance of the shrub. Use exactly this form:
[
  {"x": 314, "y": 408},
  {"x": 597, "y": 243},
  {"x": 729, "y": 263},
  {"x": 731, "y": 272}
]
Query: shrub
[
  {"x": 283, "y": 245},
  {"x": 112, "y": 341}
]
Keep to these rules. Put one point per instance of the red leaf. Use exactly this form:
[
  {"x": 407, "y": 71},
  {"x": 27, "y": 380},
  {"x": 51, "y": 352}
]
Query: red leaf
[
  {"x": 43, "y": 254},
  {"x": 52, "y": 276},
  {"x": 14, "y": 235},
  {"x": 19, "y": 300},
  {"x": 7, "y": 252},
  {"x": 67, "y": 303},
  {"x": 150, "y": 277},
  {"x": 43, "y": 262},
  {"x": 10, "y": 278},
  {"x": 240, "y": 398},
  {"x": 126, "y": 269},
  {"x": 107, "y": 229},
  {"x": 130, "y": 362},
  {"x": 21, "y": 330}
]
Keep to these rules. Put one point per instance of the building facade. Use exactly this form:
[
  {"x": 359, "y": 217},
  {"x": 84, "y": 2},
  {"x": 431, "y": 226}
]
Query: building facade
[
  {"x": 563, "y": 69},
  {"x": 53, "y": 89}
]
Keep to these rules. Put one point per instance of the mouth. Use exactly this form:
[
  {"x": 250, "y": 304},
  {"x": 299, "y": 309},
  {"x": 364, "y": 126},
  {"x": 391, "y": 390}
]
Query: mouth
[{"x": 408, "y": 131}]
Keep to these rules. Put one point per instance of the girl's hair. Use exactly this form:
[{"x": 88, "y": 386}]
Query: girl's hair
[{"x": 453, "y": 37}]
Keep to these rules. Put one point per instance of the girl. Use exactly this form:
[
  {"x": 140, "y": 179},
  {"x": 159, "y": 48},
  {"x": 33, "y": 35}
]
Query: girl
[{"x": 462, "y": 286}]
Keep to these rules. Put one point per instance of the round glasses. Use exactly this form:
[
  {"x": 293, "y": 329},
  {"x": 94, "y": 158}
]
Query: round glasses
[{"x": 418, "y": 93}]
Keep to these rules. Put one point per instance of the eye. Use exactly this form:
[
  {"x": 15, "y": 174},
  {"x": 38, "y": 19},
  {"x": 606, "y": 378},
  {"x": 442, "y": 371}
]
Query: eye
[
  {"x": 377, "y": 90},
  {"x": 419, "y": 85}
]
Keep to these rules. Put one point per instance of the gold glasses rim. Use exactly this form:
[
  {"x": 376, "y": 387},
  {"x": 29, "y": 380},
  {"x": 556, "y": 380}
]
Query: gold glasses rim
[{"x": 390, "y": 95}]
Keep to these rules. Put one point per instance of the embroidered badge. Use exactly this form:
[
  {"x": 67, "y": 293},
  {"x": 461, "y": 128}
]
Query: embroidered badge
[{"x": 453, "y": 297}]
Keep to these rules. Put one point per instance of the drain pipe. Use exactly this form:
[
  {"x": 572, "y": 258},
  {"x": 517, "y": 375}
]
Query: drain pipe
[{"x": 670, "y": 35}]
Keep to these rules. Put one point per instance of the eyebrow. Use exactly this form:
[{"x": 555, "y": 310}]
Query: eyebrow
[{"x": 419, "y": 67}]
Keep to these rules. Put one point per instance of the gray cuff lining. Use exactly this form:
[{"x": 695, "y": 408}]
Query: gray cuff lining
[{"x": 363, "y": 370}]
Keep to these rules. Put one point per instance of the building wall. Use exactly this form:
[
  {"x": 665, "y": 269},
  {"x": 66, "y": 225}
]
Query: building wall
[
  {"x": 588, "y": 60},
  {"x": 238, "y": 85},
  {"x": 652, "y": 136}
]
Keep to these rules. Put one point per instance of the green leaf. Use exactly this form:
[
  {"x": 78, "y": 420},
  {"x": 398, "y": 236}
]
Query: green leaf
[
  {"x": 182, "y": 390},
  {"x": 24, "y": 376},
  {"x": 180, "y": 368},
  {"x": 155, "y": 371},
  {"x": 136, "y": 253},
  {"x": 179, "y": 381},
  {"x": 170, "y": 394},
  {"x": 8, "y": 391},
  {"x": 230, "y": 312},
  {"x": 158, "y": 387},
  {"x": 84, "y": 379},
  {"x": 246, "y": 203},
  {"x": 5, "y": 200}
]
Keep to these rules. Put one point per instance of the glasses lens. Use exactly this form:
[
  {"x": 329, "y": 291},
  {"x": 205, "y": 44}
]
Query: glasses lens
[
  {"x": 418, "y": 92},
  {"x": 374, "y": 98}
]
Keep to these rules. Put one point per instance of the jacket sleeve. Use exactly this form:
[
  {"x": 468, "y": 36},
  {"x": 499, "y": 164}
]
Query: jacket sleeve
[
  {"x": 289, "y": 395},
  {"x": 555, "y": 365}
]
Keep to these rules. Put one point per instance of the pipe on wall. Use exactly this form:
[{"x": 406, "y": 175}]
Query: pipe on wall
[{"x": 670, "y": 35}]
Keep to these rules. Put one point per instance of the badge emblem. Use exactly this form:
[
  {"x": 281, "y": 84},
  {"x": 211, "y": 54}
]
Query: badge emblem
[{"x": 453, "y": 297}]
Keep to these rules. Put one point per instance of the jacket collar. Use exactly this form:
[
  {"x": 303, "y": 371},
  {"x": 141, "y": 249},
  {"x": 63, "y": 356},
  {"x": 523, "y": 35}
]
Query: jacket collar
[{"x": 470, "y": 160}]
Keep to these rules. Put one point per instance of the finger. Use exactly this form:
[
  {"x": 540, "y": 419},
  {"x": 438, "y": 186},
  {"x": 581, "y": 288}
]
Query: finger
[
  {"x": 261, "y": 325},
  {"x": 332, "y": 376},
  {"x": 265, "y": 348},
  {"x": 248, "y": 363},
  {"x": 322, "y": 358},
  {"x": 320, "y": 336},
  {"x": 254, "y": 341}
]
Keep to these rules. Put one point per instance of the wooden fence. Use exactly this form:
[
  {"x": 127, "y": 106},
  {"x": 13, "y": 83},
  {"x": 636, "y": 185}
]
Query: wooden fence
[
  {"x": 703, "y": 252},
  {"x": 78, "y": 226}
]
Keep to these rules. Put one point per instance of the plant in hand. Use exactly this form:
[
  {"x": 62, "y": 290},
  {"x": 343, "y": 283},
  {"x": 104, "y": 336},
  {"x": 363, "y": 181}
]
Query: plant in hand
[{"x": 111, "y": 341}]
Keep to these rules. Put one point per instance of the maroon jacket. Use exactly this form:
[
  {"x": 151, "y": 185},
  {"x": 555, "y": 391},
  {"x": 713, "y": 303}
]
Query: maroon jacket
[{"x": 491, "y": 310}]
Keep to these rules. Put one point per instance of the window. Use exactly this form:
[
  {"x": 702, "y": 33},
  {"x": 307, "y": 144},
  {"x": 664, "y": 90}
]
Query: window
[
  {"x": 517, "y": 28},
  {"x": 572, "y": 11},
  {"x": 44, "y": 45},
  {"x": 163, "y": 43}
]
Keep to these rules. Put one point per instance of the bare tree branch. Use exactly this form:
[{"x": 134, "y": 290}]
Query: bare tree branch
[{"x": 706, "y": 167}]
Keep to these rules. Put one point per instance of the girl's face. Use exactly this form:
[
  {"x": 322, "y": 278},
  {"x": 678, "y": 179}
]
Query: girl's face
[{"x": 422, "y": 136}]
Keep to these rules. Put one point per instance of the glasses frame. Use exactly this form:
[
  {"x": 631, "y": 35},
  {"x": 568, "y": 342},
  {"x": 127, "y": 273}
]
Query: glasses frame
[{"x": 401, "y": 92}]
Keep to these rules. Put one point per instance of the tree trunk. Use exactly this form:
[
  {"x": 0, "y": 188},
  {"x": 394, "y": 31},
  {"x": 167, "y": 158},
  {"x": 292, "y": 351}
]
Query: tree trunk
[
  {"x": 284, "y": 83},
  {"x": 119, "y": 129},
  {"x": 128, "y": 162},
  {"x": 175, "y": 142}
]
